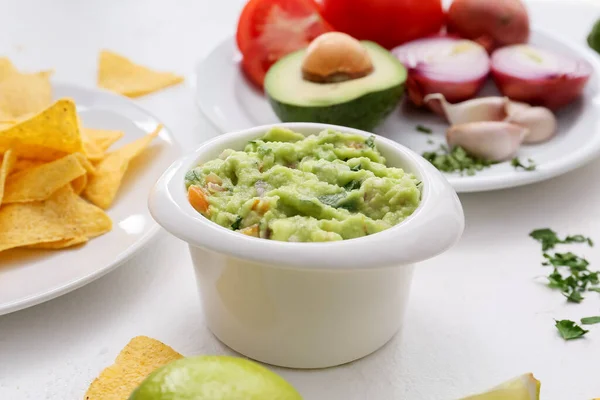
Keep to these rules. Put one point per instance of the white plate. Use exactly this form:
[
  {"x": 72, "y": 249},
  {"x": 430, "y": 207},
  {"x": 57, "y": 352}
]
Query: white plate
[
  {"x": 232, "y": 104},
  {"x": 29, "y": 277}
]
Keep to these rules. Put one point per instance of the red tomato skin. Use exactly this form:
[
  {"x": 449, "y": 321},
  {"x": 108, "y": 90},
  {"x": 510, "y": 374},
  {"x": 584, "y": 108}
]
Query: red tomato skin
[
  {"x": 387, "y": 22},
  {"x": 270, "y": 29}
]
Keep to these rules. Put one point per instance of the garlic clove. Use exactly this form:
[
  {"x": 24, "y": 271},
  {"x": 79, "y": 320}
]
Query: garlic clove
[
  {"x": 474, "y": 110},
  {"x": 488, "y": 140},
  {"x": 540, "y": 121}
]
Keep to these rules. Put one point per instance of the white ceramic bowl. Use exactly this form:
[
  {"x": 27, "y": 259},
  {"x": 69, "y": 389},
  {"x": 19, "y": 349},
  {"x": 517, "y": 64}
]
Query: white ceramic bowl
[{"x": 307, "y": 305}]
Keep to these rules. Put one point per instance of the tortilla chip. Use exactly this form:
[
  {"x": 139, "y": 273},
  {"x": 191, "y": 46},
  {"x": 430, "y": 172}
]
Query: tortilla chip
[
  {"x": 38, "y": 183},
  {"x": 59, "y": 244},
  {"x": 102, "y": 138},
  {"x": 119, "y": 74},
  {"x": 79, "y": 184},
  {"x": 63, "y": 216},
  {"x": 22, "y": 94},
  {"x": 85, "y": 163},
  {"x": 103, "y": 186},
  {"x": 8, "y": 162},
  {"x": 6, "y": 68},
  {"x": 46, "y": 136},
  {"x": 92, "y": 151},
  {"x": 137, "y": 360},
  {"x": 23, "y": 164}
]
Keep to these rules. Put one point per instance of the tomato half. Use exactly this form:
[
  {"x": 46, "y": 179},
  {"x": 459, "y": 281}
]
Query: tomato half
[
  {"x": 387, "y": 22},
  {"x": 269, "y": 29}
]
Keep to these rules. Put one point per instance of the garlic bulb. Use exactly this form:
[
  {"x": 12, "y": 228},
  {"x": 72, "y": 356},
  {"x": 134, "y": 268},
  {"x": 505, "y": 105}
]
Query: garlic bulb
[
  {"x": 489, "y": 140},
  {"x": 474, "y": 110},
  {"x": 540, "y": 121}
]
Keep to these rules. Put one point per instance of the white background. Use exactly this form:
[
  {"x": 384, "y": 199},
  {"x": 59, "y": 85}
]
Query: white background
[{"x": 477, "y": 314}]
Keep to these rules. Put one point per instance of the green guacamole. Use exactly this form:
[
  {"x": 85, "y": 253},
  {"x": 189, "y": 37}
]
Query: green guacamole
[{"x": 288, "y": 187}]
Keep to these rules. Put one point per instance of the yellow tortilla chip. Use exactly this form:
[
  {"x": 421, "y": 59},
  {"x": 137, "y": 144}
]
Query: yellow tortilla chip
[
  {"x": 79, "y": 184},
  {"x": 8, "y": 162},
  {"x": 102, "y": 138},
  {"x": 23, "y": 164},
  {"x": 137, "y": 360},
  {"x": 22, "y": 94},
  {"x": 85, "y": 163},
  {"x": 63, "y": 216},
  {"x": 59, "y": 244},
  {"x": 6, "y": 68},
  {"x": 47, "y": 136},
  {"x": 119, "y": 74},
  {"x": 103, "y": 186},
  {"x": 38, "y": 183}
]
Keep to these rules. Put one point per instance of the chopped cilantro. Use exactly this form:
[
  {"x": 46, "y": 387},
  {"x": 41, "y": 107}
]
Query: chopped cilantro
[
  {"x": 424, "y": 129},
  {"x": 237, "y": 224},
  {"x": 455, "y": 160},
  {"x": 518, "y": 164},
  {"x": 332, "y": 200},
  {"x": 590, "y": 320},
  {"x": 574, "y": 297},
  {"x": 429, "y": 141},
  {"x": 569, "y": 330},
  {"x": 548, "y": 238},
  {"x": 594, "y": 289},
  {"x": 357, "y": 167},
  {"x": 352, "y": 185},
  {"x": 370, "y": 142}
]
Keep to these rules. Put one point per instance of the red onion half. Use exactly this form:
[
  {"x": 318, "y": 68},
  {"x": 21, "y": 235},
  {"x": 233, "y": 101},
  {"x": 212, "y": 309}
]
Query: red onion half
[
  {"x": 454, "y": 67},
  {"x": 539, "y": 77}
]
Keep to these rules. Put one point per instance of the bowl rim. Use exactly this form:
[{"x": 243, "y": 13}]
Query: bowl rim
[{"x": 417, "y": 238}]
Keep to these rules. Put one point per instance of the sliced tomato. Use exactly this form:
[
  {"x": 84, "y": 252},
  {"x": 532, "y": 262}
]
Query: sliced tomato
[{"x": 270, "y": 29}]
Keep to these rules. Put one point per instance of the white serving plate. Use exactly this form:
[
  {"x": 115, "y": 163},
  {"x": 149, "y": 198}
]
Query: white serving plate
[
  {"x": 232, "y": 104},
  {"x": 29, "y": 277}
]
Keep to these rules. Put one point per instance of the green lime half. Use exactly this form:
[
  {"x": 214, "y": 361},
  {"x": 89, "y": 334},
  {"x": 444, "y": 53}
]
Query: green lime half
[
  {"x": 214, "y": 378},
  {"x": 524, "y": 387}
]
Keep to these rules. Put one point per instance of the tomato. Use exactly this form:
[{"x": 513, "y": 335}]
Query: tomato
[
  {"x": 387, "y": 22},
  {"x": 269, "y": 29}
]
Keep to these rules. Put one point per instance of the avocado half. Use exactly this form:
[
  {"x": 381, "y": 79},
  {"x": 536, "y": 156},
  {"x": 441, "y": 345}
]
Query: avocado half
[{"x": 360, "y": 103}]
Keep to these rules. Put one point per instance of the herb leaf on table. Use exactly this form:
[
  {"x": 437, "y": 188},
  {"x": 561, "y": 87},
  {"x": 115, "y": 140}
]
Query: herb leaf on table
[{"x": 569, "y": 330}]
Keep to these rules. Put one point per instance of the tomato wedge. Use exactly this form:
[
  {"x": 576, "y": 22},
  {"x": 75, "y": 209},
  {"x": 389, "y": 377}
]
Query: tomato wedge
[{"x": 269, "y": 29}]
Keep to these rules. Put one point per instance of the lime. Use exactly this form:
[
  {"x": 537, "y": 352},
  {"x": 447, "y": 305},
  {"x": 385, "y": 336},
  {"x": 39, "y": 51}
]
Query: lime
[
  {"x": 524, "y": 387},
  {"x": 214, "y": 378}
]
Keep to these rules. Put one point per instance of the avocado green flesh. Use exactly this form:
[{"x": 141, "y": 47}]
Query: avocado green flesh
[
  {"x": 359, "y": 103},
  {"x": 288, "y": 187}
]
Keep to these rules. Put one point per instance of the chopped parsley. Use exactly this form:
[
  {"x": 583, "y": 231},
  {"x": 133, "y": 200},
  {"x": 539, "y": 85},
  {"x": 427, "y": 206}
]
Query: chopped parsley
[
  {"x": 548, "y": 238},
  {"x": 357, "y": 167},
  {"x": 237, "y": 224},
  {"x": 594, "y": 289},
  {"x": 590, "y": 320},
  {"x": 569, "y": 330},
  {"x": 423, "y": 129},
  {"x": 332, "y": 200},
  {"x": 352, "y": 185},
  {"x": 518, "y": 164},
  {"x": 370, "y": 142},
  {"x": 455, "y": 160}
]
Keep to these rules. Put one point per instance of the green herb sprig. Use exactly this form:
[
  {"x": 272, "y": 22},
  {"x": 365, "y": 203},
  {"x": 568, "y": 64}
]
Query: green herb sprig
[
  {"x": 515, "y": 162},
  {"x": 569, "y": 330},
  {"x": 423, "y": 129}
]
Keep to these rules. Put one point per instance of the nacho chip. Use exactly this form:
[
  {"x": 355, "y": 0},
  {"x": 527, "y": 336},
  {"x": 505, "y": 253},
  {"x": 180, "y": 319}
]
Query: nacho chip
[
  {"x": 92, "y": 151},
  {"x": 38, "y": 183},
  {"x": 119, "y": 74},
  {"x": 22, "y": 94},
  {"x": 6, "y": 68},
  {"x": 23, "y": 164},
  {"x": 8, "y": 162},
  {"x": 102, "y": 138},
  {"x": 79, "y": 184},
  {"x": 59, "y": 244},
  {"x": 63, "y": 216},
  {"x": 85, "y": 163},
  {"x": 103, "y": 186},
  {"x": 137, "y": 360},
  {"x": 46, "y": 136}
]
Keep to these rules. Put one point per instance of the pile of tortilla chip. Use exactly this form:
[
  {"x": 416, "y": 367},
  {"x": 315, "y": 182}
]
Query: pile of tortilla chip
[
  {"x": 137, "y": 360},
  {"x": 56, "y": 177}
]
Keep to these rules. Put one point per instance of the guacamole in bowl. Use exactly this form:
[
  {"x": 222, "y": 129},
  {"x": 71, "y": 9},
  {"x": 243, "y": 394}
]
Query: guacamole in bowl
[{"x": 289, "y": 187}]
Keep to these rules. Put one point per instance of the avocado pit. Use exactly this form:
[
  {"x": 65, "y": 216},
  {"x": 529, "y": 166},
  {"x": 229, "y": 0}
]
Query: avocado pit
[{"x": 335, "y": 57}]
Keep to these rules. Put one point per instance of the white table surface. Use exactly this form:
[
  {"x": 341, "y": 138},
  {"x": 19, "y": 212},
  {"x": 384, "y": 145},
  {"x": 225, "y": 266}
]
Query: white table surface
[{"x": 477, "y": 314}]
